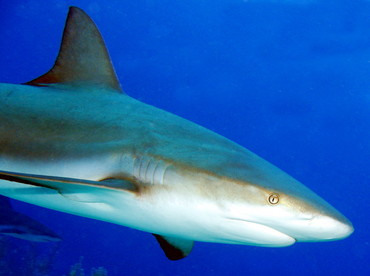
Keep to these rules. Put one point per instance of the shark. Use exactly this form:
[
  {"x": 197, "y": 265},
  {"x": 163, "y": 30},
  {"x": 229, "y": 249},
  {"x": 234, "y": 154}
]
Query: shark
[
  {"x": 21, "y": 226},
  {"x": 72, "y": 140}
]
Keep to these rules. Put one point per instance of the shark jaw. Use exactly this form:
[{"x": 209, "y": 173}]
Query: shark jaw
[
  {"x": 72, "y": 141},
  {"x": 317, "y": 230},
  {"x": 235, "y": 231}
]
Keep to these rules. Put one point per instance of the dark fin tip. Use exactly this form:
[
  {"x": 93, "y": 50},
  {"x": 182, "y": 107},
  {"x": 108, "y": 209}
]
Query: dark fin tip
[{"x": 172, "y": 253}]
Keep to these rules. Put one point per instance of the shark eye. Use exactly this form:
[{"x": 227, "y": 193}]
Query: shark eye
[{"x": 273, "y": 199}]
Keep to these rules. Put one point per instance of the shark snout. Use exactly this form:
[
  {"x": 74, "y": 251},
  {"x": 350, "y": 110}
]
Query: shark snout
[
  {"x": 312, "y": 220},
  {"x": 325, "y": 228}
]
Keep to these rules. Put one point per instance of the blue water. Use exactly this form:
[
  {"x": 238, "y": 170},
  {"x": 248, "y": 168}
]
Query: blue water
[{"x": 289, "y": 80}]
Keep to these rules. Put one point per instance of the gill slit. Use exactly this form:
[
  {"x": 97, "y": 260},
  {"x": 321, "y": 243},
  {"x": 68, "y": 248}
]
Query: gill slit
[
  {"x": 164, "y": 173},
  {"x": 154, "y": 171},
  {"x": 149, "y": 170},
  {"x": 146, "y": 166}
]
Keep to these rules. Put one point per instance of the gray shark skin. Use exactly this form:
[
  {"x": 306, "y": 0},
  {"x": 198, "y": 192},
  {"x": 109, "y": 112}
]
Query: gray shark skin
[
  {"x": 73, "y": 141},
  {"x": 18, "y": 225}
]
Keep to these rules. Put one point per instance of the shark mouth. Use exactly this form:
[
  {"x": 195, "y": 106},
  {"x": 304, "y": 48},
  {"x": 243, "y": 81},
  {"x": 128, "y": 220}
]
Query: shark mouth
[{"x": 240, "y": 231}]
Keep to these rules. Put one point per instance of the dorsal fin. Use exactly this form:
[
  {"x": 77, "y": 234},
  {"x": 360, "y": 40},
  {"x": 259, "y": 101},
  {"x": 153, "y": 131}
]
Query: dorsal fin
[{"x": 83, "y": 59}]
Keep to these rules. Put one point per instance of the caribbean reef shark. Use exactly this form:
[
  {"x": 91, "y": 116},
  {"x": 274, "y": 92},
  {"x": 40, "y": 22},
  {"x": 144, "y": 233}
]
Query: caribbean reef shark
[
  {"x": 72, "y": 140},
  {"x": 17, "y": 225}
]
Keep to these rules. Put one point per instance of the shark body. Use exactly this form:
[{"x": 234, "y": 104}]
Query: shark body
[
  {"x": 72, "y": 141},
  {"x": 18, "y": 225}
]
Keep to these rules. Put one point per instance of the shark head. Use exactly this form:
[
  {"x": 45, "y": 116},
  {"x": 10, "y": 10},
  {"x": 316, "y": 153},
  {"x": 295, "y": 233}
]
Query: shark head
[
  {"x": 284, "y": 218},
  {"x": 249, "y": 201}
]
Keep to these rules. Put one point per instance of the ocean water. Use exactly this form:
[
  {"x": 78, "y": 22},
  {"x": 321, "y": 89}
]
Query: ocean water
[{"x": 288, "y": 79}]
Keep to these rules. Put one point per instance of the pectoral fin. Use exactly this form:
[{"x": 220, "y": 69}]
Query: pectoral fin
[
  {"x": 74, "y": 189},
  {"x": 174, "y": 248}
]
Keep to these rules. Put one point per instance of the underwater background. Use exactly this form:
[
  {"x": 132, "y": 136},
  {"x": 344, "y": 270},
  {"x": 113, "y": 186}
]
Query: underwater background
[{"x": 288, "y": 79}]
